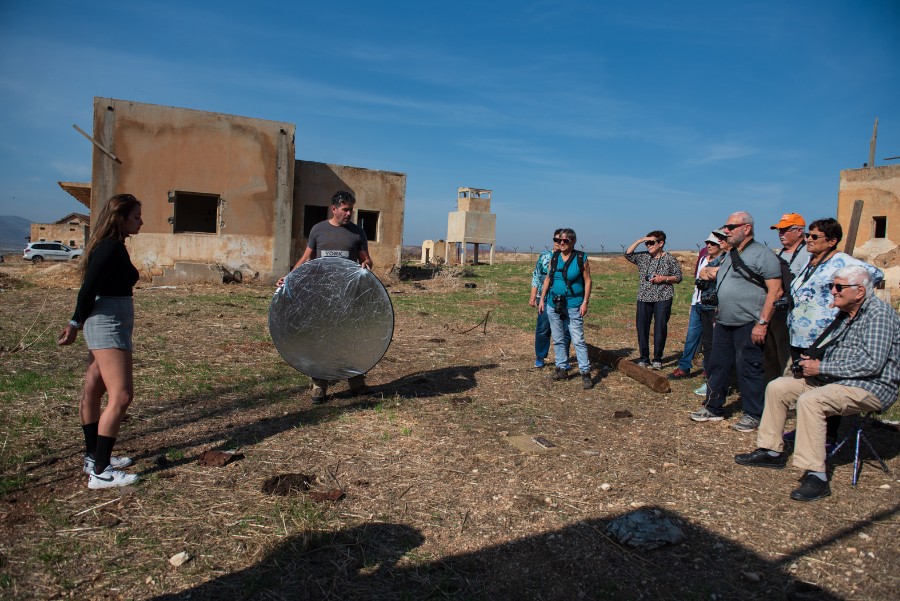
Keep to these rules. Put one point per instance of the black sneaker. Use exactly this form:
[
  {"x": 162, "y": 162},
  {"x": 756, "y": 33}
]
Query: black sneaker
[
  {"x": 586, "y": 381},
  {"x": 812, "y": 488},
  {"x": 762, "y": 458},
  {"x": 559, "y": 374}
]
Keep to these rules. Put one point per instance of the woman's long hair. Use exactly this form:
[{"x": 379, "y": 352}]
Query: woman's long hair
[{"x": 109, "y": 224}]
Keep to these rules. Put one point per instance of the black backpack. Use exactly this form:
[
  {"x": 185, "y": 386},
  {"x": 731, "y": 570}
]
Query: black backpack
[{"x": 579, "y": 255}]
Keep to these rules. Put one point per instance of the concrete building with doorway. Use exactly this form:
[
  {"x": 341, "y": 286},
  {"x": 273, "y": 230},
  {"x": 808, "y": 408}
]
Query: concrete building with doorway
[
  {"x": 73, "y": 230},
  {"x": 876, "y": 235},
  {"x": 226, "y": 191}
]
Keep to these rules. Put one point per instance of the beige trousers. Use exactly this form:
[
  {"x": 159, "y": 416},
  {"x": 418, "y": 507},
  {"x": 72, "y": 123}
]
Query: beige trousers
[{"x": 814, "y": 403}]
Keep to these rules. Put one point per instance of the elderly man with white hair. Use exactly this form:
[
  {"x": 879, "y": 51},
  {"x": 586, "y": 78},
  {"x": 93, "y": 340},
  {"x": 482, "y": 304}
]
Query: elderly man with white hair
[{"x": 853, "y": 367}]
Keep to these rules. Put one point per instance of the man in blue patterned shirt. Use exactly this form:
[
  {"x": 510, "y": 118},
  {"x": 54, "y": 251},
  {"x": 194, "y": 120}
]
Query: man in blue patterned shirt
[
  {"x": 858, "y": 371},
  {"x": 542, "y": 326}
]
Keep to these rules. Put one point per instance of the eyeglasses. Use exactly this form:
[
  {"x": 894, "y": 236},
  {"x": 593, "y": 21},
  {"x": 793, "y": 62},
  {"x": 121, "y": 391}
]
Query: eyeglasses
[
  {"x": 816, "y": 236},
  {"x": 733, "y": 226},
  {"x": 785, "y": 230},
  {"x": 651, "y": 243},
  {"x": 840, "y": 287},
  {"x": 561, "y": 240},
  {"x": 711, "y": 242}
]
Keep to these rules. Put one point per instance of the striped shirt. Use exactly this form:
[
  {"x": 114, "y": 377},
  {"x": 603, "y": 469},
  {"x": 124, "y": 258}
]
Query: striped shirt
[{"x": 866, "y": 353}]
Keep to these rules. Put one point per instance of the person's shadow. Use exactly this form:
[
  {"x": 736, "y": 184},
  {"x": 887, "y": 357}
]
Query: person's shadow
[{"x": 579, "y": 561}]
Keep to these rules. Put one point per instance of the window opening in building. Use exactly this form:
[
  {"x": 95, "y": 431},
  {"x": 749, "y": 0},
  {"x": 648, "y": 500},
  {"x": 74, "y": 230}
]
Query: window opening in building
[
  {"x": 879, "y": 227},
  {"x": 368, "y": 221},
  {"x": 313, "y": 214},
  {"x": 195, "y": 212}
]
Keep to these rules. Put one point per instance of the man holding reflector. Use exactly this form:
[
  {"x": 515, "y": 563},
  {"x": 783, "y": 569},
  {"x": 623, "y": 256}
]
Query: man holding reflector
[{"x": 323, "y": 345}]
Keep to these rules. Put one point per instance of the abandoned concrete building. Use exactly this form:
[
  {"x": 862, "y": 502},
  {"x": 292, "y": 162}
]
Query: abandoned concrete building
[
  {"x": 225, "y": 191},
  {"x": 869, "y": 212},
  {"x": 73, "y": 230}
]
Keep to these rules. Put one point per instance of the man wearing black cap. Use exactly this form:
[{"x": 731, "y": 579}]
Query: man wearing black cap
[{"x": 777, "y": 350}]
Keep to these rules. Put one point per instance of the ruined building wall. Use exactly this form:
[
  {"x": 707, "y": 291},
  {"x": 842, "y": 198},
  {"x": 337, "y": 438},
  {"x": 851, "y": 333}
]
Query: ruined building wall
[
  {"x": 380, "y": 196},
  {"x": 248, "y": 163}
]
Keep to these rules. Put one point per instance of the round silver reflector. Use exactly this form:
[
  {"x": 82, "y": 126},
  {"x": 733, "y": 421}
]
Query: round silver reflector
[{"x": 332, "y": 319}]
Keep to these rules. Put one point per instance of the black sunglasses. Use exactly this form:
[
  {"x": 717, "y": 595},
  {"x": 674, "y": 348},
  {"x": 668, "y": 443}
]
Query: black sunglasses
[
  {"x": 840, "y": 287},
  {"x": 651, "y": 242},
  {"x": 561, "y": 240},
  {"x": 816, "y": 236},
  {"x": 733, "y": 226}
]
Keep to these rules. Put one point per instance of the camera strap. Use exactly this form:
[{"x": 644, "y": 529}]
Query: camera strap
[
  {"x": 741, "y": 268},
  {"x": 816, "y": 351},
  {"x": 808, "y": 273}
]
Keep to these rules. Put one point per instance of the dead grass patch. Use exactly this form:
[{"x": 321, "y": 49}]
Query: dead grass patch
[{"x": 437, "y": 502}]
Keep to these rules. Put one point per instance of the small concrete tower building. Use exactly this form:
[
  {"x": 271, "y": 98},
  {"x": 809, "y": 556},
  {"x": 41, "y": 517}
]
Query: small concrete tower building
[{"x": 471, "y": 223}]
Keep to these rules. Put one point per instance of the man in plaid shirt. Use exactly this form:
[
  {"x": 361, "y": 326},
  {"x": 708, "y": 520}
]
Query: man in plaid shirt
[{"x": 859, "y": 371}]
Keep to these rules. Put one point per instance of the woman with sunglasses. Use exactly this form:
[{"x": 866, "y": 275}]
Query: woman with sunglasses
[
  {"x": 105, "y": 310},
  {"x": 542, "y": 325},
  {"x": 658, "y": 271},
  {"x": 568, "y": 284},
  {"x": 814, "y": 306}
]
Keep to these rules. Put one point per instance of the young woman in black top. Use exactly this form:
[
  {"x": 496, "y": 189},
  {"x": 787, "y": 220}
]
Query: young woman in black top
[{"x": 105, "y": 310}]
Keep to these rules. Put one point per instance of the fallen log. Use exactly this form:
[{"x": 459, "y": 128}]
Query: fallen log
[{"x": 649, "y": 378}]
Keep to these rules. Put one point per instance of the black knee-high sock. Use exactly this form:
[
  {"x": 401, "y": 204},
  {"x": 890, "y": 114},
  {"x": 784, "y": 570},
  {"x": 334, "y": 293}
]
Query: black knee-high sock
[
  {"x": 103, "y": 452},
  {"x": 90, "y": 437}
]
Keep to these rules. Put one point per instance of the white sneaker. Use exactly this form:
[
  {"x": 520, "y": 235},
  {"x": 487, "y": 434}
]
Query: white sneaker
[
  {"x": 117, "y": 462},
  {"x": 111, "y": 477}
]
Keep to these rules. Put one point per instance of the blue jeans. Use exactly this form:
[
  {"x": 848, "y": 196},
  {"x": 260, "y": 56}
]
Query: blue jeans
[
  {"x": 542, "y": 337},
  {"x": 576, "y": 331},
  {"x": 732, "y": 347},
  {"x": 692, "y": 340}
]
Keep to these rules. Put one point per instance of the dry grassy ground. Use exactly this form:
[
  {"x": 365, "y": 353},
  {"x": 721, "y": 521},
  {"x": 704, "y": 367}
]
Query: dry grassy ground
[{"x": 437, "y": 502}]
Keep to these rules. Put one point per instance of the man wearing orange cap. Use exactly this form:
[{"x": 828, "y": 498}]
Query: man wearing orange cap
[{"x": 777, "y": 350}]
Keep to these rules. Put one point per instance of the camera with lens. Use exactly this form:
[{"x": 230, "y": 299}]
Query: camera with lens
[
  {"x": 559, "y": 304},
  {"x": 702, "y": 284},
  {"x": 710, "y": 298},
  {"x": 782, "y": 304},
  {"x": 797, "y": 369}
]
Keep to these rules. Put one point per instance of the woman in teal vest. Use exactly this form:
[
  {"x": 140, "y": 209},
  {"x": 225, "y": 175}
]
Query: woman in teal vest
[{"x": 568, "y": 288}]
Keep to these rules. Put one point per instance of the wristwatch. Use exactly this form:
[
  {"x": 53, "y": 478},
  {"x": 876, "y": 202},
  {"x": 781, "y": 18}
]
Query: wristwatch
[{"x": 762, "y": 322}]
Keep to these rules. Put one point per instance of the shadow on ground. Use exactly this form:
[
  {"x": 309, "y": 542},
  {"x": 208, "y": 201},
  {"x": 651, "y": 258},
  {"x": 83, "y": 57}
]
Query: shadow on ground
[{"x": 379, "y": 561}]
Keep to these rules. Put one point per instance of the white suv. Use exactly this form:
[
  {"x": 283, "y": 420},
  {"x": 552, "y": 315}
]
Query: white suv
[{"x": 38, "y": 252}]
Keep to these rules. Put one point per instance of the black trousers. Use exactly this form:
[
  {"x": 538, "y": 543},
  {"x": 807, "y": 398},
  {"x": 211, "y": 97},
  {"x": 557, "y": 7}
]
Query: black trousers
[
  {"x": 708, "y": 323},
  {"x": 732, "y": 347},
  {"x": 659, "y": 312}
]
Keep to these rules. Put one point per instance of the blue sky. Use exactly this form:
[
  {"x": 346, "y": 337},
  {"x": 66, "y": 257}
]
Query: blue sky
[{"x": 612, "y": 118}]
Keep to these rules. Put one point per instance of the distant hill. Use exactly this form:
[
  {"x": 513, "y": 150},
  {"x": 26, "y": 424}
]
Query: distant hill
[{"x": 14, "y": 232}]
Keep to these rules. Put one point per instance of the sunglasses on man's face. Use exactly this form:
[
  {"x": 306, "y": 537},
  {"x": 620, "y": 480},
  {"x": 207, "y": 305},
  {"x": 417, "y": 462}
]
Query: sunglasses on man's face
[
  {"x": 651, "y": 242},
  {"x": 561, "y": 240},
  {"x": 816, "y": 236},
  {"x": 733, "y": 226},
  {"x": 840, "y": 287}
]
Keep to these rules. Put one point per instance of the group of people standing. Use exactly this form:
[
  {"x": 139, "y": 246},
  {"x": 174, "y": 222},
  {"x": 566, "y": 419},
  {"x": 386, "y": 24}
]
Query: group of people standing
[
  {"x": 779, "y": 320},
  {"x": 801, "y": 327}
]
